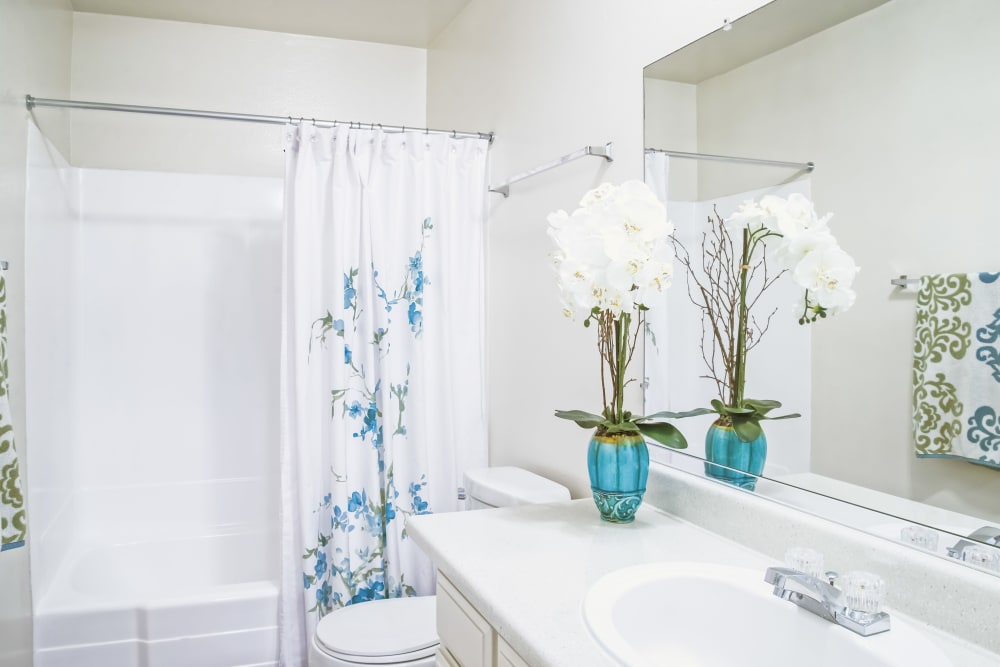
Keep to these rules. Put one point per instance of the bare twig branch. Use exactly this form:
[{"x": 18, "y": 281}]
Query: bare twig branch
[{"x": 715, "y": 289}]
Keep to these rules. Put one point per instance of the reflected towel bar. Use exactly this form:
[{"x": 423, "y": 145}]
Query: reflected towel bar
[
  {"x": 903, "y": 281},
  {"x": 805, "y": 166}
]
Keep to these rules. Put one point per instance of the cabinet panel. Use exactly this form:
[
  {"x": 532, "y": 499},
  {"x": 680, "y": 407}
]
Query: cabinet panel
[
  {"x": 463, "y": 632},
  {"x": 508, "y": 657},
  {"x": 443, "y": 659}
]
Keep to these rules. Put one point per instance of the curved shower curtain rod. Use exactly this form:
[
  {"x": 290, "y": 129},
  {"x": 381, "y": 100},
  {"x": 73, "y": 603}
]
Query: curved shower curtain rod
[{"x": 32, "y": 102}]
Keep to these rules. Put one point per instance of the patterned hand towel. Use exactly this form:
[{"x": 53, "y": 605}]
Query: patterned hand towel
[
  {"x": 13, "y": 522},
  {"x": 956, "y": 368}
]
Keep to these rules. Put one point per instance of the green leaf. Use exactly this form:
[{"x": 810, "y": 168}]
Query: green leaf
[
  {"x": 791, "y": 416},
  {"x": 583, "y": 419},
  {"x": 747, "y": 430},
  {"x": 762, "y": 407},
  {"x": 665, "y": 434},
  {"x": 718, "y": 406},
  {"x": 674, "y": 415},
  {"x": 739, "y": 412}
]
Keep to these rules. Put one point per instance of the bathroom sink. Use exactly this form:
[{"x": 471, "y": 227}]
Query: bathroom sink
[{"x": 713, "y": 615}]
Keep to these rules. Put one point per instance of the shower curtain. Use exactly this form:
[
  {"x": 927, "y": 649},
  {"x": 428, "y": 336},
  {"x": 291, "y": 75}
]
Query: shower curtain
[
  {"x": 383, "y": 359},
  {"x": 13, "y": 521}
]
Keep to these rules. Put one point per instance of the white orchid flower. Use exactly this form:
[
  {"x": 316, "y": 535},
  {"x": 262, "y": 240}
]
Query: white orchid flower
[{"x": 827, "y": 273}]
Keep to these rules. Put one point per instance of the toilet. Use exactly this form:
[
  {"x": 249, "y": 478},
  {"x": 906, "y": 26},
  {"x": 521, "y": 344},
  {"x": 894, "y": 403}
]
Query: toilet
[{"x": 401, "y": 632}]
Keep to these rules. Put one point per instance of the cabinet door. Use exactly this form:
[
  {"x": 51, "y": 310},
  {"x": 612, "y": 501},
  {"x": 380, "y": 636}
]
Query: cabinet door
[
  {"x": 506, "y": 656},
  {"x": 463, "y": 632},
  {"x": 443, "y": 659}
]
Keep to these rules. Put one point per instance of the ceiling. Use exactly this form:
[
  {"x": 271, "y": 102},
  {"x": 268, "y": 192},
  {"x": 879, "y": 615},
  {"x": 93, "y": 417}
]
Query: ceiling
[
  {"x": 404, "y": 22},
  {"x": 772, "y": 27}
]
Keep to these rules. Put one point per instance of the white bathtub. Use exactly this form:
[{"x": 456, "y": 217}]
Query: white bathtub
[{"x": 125, "y": 596}]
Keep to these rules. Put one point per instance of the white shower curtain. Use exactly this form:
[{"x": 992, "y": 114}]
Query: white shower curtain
[{"x": 383, "y": 359}]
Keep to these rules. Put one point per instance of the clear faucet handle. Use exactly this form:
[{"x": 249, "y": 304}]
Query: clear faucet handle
[
  {"x": 921, "y": 536},
  {"x": 806, "y": 560},
  {"x": 864, "y": 592},
  {"x": 985, "y": 557}
]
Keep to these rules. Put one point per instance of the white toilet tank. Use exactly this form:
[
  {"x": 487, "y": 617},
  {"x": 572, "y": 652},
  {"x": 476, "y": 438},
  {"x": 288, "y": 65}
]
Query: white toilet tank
[{"x": 507, "y": 486}]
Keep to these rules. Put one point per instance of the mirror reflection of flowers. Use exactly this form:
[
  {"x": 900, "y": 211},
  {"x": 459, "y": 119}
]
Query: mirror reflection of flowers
[
  {"x": 614, "y": 260},
  {"x": 734, "y": 274}
]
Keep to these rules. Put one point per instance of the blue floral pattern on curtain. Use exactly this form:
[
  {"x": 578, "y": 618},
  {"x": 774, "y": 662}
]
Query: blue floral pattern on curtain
[{"x": 347, "y": 563}]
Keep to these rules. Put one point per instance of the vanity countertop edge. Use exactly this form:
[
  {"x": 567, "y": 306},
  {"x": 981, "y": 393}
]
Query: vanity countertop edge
[{"x": 527, "y": 569}]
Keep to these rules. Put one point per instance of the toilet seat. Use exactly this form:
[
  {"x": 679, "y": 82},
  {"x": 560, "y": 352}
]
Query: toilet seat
[{"x": 380, "y": 632}]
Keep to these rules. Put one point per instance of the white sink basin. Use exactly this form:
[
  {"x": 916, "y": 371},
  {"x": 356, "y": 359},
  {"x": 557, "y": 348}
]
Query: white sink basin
[{"x": 694, "y": 614}]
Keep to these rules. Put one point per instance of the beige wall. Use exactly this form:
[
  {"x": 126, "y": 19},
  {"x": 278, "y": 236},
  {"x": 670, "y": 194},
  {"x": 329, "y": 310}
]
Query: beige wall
[
  {"x": 195, "y": 66},
  {"x": 909, "y": 168},
  {"x": 35, "y": 38},
  {"x": 550, "y": 77}
]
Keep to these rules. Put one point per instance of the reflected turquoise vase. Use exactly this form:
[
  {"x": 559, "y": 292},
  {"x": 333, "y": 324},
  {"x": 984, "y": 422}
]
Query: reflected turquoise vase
[
  {"x": 724, "y": 447},
  {"x": 619, "y": 466}
]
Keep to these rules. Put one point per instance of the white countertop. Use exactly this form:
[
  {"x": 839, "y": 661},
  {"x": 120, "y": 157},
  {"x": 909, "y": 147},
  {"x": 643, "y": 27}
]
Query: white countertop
[{"x": 527, "y": 570}]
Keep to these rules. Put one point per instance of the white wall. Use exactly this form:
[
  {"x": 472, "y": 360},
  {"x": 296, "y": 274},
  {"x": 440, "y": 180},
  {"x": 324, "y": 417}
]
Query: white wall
[
  {"x": 153, "y": 332},
  {"x": 670, "y": 117},
  {"x": 34, "y": 58},
  {"x": 52, "y": 325},
  {"x": 195, "y": 66},
  {"x": 550, "y": 77},
  {"x": 178, "y": 346},
  {"x": 909, "y": 168}
]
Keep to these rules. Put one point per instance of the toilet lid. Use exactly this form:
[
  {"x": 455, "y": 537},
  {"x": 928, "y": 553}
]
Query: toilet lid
[
  {"x": 505, "y": 486},
  {"x": 372, "y": 632}
]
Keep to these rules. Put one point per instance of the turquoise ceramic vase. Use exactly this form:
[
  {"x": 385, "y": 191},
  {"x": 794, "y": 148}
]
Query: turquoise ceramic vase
[
  {"x": 619, "y": 466},
  {"x": 724, "y": 447}
]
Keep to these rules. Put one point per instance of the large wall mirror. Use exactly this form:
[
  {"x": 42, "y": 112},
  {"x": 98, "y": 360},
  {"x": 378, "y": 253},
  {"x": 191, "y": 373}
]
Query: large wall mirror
[{"x": 897, "y": 102}]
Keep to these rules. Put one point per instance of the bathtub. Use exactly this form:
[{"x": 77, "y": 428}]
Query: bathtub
[{"x": 203, "y": 596}]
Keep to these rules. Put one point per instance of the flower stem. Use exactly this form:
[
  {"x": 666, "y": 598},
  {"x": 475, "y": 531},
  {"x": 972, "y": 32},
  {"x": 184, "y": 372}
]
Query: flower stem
[
  {"x": 621, "y": 349},
  {"x": 741, "y": 331}
]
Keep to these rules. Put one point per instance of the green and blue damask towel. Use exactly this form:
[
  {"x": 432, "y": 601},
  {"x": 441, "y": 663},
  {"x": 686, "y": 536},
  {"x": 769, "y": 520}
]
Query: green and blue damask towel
[
  {"x": 956, "y": 367},
  {"x": 13, "y": 521}
]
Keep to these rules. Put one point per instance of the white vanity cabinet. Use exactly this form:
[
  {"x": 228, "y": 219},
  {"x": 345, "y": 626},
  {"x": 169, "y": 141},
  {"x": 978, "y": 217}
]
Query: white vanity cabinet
[
  {"x": 506, "y": 656},
  {"x": 467, "y": 639}
]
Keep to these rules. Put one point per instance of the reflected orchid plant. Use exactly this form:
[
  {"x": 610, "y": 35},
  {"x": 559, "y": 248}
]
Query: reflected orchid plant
[{"x": 733, "y": 275}]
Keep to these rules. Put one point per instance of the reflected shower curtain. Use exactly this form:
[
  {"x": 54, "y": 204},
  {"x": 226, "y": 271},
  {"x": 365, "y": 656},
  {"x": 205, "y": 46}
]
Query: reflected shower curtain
[{"x": 383, "y": 360}]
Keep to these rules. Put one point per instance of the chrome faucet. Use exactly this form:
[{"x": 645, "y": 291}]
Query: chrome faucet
[
  {"x": 981, "y": 548},
  {"x": 985, "y": 535},
  {"x": 855, "y": 607}
]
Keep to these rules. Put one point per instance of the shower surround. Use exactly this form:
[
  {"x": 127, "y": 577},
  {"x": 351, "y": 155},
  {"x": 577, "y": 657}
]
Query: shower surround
[{"x": 153, "y": 334}]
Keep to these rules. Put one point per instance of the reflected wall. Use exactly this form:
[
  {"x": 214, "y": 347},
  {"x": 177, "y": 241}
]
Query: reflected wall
[{"x": 898, "y": 108}]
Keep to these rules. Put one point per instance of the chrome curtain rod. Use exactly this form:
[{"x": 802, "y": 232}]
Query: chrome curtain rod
[
  {"x": 606, "y": 151},
  {"x": 32, "y": 102},
  {"x": 806, "y": 166}
]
